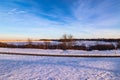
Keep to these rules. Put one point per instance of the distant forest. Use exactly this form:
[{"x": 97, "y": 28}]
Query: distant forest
[{"x": 100, "y": 39}]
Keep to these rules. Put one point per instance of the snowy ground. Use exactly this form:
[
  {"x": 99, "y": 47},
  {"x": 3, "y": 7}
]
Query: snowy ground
[
  {"x": 57, "y": 51},
  {"x": 18, "y": 67},
  {"x": 14, "y": 67}
]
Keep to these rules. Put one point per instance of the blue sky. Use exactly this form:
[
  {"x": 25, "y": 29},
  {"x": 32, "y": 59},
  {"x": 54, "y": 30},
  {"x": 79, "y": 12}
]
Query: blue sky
[{"x": 37, "y": 19}]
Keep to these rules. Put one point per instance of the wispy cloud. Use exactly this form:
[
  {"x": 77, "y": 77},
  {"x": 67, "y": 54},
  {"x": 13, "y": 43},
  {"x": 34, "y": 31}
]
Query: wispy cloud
[
  {"x": 29, "y": 25},
  {"x": 52, "y": 18},
  {"x": 98, "y": 16}
]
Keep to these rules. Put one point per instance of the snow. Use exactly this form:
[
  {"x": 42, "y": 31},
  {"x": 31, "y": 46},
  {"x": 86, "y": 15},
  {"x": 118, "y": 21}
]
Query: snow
[
  {"x": 14, "y": 67},
  {"x": 56, "y": 51},
  {"x": 92, "y": 43},
  {"x": 34, "y": 42},
  {"x": 86, "y": 43},
  {"x": 19, "y": 67}
]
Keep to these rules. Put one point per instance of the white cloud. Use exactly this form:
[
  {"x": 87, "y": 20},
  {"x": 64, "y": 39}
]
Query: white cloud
[
  {"x": 88, "y": 22},
  {"x": 99, "y": 15},
  {"x": 12, "y": 11}
]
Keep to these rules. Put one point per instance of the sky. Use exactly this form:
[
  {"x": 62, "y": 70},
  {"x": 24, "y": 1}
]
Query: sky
[{"x": 50, "y": 19}]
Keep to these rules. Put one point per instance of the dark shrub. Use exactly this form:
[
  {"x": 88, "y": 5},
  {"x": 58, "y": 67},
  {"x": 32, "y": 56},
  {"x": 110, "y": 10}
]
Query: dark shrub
[
  {"x": 79, "y": 47},
  {"x": 3, "y": 44},
  {"x": 103, "y": 47}
]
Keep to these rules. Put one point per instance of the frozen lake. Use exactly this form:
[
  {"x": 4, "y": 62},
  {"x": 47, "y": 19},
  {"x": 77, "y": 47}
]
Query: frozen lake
[{"x": 14, "y": 67}]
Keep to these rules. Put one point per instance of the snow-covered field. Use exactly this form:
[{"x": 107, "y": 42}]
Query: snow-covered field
[
  {"x": 18, "y": 67},
  {"x": 56, "y": 51},
  {"x": 14, "y": 67},
  {"x": 33, "y": 42}
]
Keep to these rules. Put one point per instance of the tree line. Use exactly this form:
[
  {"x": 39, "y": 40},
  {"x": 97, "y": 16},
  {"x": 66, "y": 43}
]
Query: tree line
[{"x": 66, "y": 42}]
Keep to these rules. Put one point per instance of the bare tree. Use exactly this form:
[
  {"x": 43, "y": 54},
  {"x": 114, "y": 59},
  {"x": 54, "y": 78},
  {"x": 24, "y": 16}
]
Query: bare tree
[
  {"x": 67, "y": 41},
  {"x": 115, "y": 46},
  {"x": 46, "y": 44},
  {"x": 70, "y": 43},
  {"x": 29, "y": 43}
]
